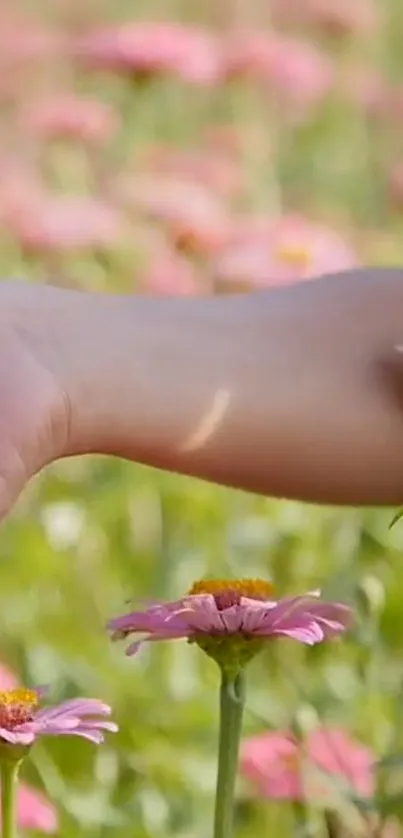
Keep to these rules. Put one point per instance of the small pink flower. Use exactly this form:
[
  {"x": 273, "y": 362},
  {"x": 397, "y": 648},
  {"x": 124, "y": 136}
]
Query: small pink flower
[
  {"x": 23, "y": 39},
  {"x": 338, "y": 19},
  {"x": 22, "y": 721},
  {"x": 147, "y": 49},
  {"x": 70, "y": 117},
  {"x": 34, "y": 811},
  {"x": 221, "y": 608},
  {"x": 292, "y": 68},
  {"x": 207, "y": 167},
  {"x": 47, "y": 223},
  {"x": 366, "y": 88},
  {"x": 264, "y": 252},
  {"x": 170, "y": 274},
  {"x": 284, "y": 769},
  {"x": 194, "y": 218}
]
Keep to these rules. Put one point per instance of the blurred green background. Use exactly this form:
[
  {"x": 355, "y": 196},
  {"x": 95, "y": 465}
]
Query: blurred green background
[{"x": 90, "y": 536}]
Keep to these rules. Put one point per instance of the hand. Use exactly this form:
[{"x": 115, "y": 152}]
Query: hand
[{"x": 34, "y": 407}]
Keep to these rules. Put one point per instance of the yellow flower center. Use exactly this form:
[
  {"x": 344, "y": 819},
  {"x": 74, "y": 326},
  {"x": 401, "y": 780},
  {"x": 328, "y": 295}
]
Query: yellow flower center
[
  {"x": 295, "y": 255},
  {"x": 17, "y": 707},
  {"x": 228, "y": 592}
]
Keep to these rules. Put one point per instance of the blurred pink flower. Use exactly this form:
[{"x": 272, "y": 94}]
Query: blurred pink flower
[
  {"x": 146, "y": 49},
  {"x": 342, "y": 18},
  {"x": 45, "y": 223},
  {"x": 34, "y": 810},
  {"x": 367, "y": 89},
  {"x": 72, "y": 117},
  {"x": 22, "y": 721},
  {"x": 221, "y": 608},
  {"x": 20, "y": 189},
  {"x": 211, "y": 168},
  {"x": 328, "y": 761},
  {"x": 170, "y": 274},
  {"x": 193, "y": 216},
  {"x": 359, "y": 18},
  {"x": 264, "y": 252},
  {"x": 294, "y": 69},
  {"x": 25, "y": 39}
]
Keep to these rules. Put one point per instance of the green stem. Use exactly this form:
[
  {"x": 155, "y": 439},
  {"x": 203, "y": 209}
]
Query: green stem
[
  {"x": 9, "y": 787},
  {"x": 232, "y": 702},
  {"x": 303, "y": 828}
]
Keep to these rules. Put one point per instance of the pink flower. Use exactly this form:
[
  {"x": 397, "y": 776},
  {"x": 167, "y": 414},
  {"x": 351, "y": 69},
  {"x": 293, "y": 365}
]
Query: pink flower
[
  {"x": 24, "y": 40},
  {"x": 45, "y": 223},
  {"x": 22, "y": 721},
  {"x": 170, "y": 274},
  {"x": 71, "y": 117},
  {"x": 338, "y": 19},
  {"x": 146, "y": 49},
  {"x": 295, "y": 70},
  {"x": 262, "y": 252},
  {"x": 207, "y": 167},
  {"x": 222, "y": 608},
  {"x": 34, "y": 811},
  {"x": 367, "y": 89},
  {"x": 285, "y": 769},
  {"x": 193, "y": 216}
]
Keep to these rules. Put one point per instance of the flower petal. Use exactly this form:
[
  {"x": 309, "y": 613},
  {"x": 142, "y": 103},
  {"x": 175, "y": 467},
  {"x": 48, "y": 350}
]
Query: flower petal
[
  {"x": 81, "y": 706},
  {"x": 17, "y": 737}
]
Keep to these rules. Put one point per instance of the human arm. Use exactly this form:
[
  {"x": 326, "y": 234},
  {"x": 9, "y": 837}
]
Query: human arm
[{"x": 290, "y": 392}]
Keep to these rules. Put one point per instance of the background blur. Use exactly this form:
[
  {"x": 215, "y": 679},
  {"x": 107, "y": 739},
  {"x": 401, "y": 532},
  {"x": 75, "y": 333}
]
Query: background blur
[{"x": 191, "y": 148}]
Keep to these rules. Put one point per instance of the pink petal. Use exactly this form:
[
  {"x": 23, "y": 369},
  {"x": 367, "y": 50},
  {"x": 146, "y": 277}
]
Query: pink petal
[
  {"x": 308, "y": 635},
  {"x": 81, "y": 706},
  {"x": 94, "y": 736},
  {"x": 154, "y": 638},
  {"x": 35, "y": 811},
  {"x": 17, "y": 737}
]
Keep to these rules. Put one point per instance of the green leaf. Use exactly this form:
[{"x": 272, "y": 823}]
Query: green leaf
[{"x": 396, "y": 518}]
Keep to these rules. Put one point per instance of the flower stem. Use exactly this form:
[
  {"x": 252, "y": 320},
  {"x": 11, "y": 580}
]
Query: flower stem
[
  {"x": 232, "y": 702},
  {"x": 9, "y": 785}
]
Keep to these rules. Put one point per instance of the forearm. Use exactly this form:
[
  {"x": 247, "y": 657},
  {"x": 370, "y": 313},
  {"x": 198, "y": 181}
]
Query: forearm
[{"x": 279, "y": 392}]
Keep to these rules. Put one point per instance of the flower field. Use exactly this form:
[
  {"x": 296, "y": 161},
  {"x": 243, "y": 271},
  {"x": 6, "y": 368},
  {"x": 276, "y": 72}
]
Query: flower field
[{"x": 201, "y": 148}]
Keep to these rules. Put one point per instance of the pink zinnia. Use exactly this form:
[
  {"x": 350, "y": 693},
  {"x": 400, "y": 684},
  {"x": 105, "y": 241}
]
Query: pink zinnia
[
  {"x": 61, "y": 223},
  {"x": 283, "y": 768},
  {"x": 34, "y": 810},
  {"x": 22, "y": 721},
  {"x": 170, "y": 274},
  {"x": 194, "y": 218},
  {"x": 292, "y": 68},
  {"x": 218, "y": 609},
  {"x": 72, "y": 117},
  {"x": 147, "y": 49},
  {"x": 262, "y": 252}
]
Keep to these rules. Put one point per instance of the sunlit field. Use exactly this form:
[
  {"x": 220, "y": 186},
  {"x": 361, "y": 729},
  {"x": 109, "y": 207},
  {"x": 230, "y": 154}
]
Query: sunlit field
[{"x": 201, "y": 148}]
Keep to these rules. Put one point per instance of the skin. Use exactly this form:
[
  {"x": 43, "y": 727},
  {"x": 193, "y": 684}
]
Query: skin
[{"x": 294, "y": 392}]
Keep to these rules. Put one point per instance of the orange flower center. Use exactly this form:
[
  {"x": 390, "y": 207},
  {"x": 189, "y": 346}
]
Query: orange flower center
[
  {"x": 17, "y": 707},
  {"x": 229, "y": 592},
  {"x": 295, "y": 255}
]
